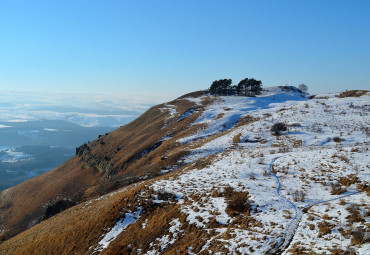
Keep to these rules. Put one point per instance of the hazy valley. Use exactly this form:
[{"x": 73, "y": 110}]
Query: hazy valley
[{"x": 39, "y": 131}]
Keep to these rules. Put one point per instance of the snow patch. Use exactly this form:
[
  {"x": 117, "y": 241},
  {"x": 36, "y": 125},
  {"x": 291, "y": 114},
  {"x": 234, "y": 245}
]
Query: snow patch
[{"x": 118, "y": 228}]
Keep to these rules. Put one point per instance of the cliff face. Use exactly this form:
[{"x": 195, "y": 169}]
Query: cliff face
[{"x": 202, "y": 175}]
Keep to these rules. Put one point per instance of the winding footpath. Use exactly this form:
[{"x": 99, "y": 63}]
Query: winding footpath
[{"x": 289, "y": 233}]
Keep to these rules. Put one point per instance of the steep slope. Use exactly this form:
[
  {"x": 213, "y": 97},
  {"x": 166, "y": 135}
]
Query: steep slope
[
  {"x": 131, "y": 153},
  {"x": 225, "y": 184}
]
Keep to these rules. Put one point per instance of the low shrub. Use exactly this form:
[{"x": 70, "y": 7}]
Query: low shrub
[
  {"x": 337, "y": 139},
  {"x": 299, "y": 196},
  {"x": 279, "y": 127},
  {"x": 164, "y": 195},
  {"x": 228, "y": 191},
  {"x": 358, "y": 237},
  {"x": 325, "y": 228},
  {"x": 238, "y": 204}
]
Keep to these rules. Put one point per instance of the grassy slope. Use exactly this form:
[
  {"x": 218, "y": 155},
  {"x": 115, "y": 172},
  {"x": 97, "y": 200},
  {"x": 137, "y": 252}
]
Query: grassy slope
[{"x": 24, "y": 205}]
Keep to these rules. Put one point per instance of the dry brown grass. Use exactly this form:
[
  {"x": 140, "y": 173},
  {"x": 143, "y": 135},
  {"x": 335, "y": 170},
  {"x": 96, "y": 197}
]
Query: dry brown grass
[
  {"x": 298, "y": 249},
  {"x": 75, "y": 230},
  {"x": 236, "y": 138},
  {"x": 354, "y": 214},
  {"x": 364, "y": 188},
  {"x": 348, "y": 180},
  {"x": 339, "y": 251},
  {"x": 353, "y": 93},
  {"x": 311, "y": 226},
  {"x": 71, "y": 231},
  {"x": 311, "y": 218},
  {"x": 246, "y": 120},
  {"x": 23, "y": 203},
  {"x": 194, "y": 94},
  {"x": 325, "y": 228}
]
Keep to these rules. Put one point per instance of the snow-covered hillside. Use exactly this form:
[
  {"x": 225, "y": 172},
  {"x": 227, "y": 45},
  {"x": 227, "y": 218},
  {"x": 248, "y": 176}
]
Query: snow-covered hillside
[{"x": 307, "y": 188}]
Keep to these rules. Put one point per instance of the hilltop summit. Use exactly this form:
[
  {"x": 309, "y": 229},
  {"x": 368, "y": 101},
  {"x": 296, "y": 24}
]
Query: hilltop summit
[{"x": 207, "y": 175}]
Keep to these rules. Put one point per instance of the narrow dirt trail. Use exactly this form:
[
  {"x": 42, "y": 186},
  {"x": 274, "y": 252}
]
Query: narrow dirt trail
[{"x": 289, "y": 233}]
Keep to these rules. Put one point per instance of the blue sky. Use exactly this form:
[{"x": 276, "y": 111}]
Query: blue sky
[{"x": 159, "y": 50}]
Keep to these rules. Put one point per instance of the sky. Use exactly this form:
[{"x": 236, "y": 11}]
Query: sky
[{"x": 155, "y": 51}]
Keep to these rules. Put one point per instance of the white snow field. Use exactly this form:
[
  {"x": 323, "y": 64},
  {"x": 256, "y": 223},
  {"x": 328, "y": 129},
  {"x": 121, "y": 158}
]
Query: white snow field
[{"x": 289, "y": 177}]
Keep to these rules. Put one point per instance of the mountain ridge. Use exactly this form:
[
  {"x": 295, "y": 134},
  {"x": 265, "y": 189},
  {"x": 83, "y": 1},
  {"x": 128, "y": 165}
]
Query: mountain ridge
[{"x": 197, "y": 155}]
